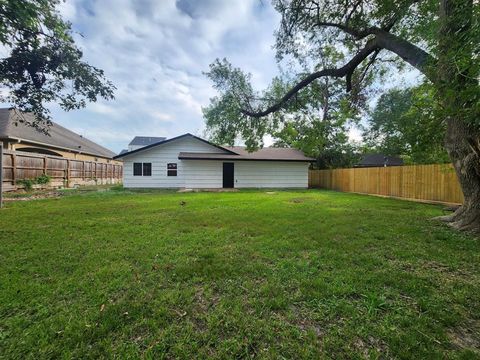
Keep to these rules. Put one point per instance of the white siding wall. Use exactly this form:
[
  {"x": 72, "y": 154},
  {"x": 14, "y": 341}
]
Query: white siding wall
[
  {"x": 134, "y": 147},
  {"x": 160, "y": 156},
  {"x": 271, "y": 174},
  {"x": 206, "y": 174},
  {"x": 247, "y": 174}
]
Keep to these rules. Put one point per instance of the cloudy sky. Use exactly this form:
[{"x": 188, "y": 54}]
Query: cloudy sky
[{"x": 155, "y": 52}]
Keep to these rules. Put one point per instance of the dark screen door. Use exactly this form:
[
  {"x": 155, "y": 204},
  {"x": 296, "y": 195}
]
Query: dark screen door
[{"x": 228, "y": 175}]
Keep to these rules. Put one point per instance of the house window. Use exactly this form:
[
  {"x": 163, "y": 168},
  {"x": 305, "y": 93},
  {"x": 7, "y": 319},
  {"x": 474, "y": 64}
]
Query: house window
[
  {"x": 171, "y": 169},
  {"x": 137, "y": 169},
  {"x": 142, "y": 169},
  {"x": 147, "y": 169}
]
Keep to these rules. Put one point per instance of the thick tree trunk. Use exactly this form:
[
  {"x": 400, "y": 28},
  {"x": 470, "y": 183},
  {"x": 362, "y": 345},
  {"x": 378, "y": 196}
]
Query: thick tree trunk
[
  {"x": 463, "y": 146},
  {"x": 457, "y": 84}
]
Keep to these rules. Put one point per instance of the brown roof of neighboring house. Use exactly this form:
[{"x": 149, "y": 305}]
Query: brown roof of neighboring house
[
  {"x": 268, "y": 154},
  {"x": 58, "y": 136}
]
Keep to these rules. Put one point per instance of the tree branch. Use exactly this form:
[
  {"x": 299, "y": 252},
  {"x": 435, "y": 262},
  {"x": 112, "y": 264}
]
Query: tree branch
[
  {"x": 358, "y": 34},
  {"x": 409, "y": 52},
  {"x": 369, "y": 48},
  {"x": 415, "y": 56},
  {"x": 382, "y": 39}
]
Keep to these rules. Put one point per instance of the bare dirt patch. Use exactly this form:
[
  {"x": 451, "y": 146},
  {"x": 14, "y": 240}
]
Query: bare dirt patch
[
  {"x": 28, "y": 197},
  {"x": 466, "y": 336},
  {"x": 207, "y": 190},
  {"x": 365, "y": 347},
  {"x": 299, "y": 200}
]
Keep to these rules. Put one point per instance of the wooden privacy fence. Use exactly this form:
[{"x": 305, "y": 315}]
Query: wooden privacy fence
[
  {"x": 416, "y": 182},
  {"x": 19, "y": 165}
]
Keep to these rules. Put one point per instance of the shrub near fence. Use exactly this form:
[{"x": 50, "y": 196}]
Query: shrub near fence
[
  {"x": 19, "y": 165},
  {"x": 416, "y": 182}
]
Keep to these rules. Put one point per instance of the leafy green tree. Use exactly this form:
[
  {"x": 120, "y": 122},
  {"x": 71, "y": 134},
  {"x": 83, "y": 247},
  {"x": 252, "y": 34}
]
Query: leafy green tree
[
  {"x": 317, "y": 123},
  {"x": 437, "y": 37},
  {"x": 326, "y": 141},
  {"x": 43, "y": 64},
  {"x": 403, "y": 122}
]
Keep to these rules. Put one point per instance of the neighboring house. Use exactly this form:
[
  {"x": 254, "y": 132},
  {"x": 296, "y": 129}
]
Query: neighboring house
[
  {"x": 142, "y": 141},
  {"x": 379, "y": 160},
  {"x": 16, "y": 135},
  {"x": 188, "y": 161}
]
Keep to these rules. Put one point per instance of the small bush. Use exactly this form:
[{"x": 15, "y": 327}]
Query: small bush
[
  {"x": 27, "y": 183},
  {"x": 43, "y": 179}
]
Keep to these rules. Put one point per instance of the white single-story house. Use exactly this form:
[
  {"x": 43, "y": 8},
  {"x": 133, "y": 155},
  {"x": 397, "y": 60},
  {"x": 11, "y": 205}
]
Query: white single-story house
[{"x": 188, "y": 161}]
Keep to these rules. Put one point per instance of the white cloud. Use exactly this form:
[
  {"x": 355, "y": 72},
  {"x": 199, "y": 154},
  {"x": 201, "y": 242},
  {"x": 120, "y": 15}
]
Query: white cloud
[{"x": 155, "y": 53}]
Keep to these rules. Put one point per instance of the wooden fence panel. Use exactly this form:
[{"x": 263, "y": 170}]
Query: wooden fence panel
[
  {"x": 19, "y": 165},
  {"x": 418, "y": 182},
  {"x": 7, "y": 168}
]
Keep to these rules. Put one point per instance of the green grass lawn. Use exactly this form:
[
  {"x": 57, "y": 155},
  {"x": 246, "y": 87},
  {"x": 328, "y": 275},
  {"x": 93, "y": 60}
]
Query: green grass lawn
[{"x": 294, "y": 274}]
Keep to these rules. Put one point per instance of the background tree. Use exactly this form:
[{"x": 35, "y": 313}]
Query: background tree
[
  {"x": 326, "y": 141},
  {"x": 437, "y": 37},
  {"x": 317, "y": 123},
  {"x": 43, "y": 64},
  {"x": 404, "y": 123}
]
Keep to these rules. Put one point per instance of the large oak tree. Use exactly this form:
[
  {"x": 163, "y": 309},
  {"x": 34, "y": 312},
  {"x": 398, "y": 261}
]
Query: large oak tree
[{"x": 437, "y": 37}]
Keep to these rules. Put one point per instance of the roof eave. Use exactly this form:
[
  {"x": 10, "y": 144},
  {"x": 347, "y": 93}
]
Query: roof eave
[{"x": 242, "y": 159}]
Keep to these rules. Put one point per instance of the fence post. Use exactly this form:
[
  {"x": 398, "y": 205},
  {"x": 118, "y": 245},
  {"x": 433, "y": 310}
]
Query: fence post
[
  {"x": 68, "y": 173},
  {"x": 14, "y": 169}
]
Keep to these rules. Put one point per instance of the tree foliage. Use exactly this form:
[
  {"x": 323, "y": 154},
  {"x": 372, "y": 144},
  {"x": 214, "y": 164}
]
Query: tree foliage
[
  {"x": 317, "y": 122},
  {"x": 326, "y": 141},
  {"x": 404, "y": 122},
  {"x": 43, "y": 64},
  {"x": 369, "y": 38}
]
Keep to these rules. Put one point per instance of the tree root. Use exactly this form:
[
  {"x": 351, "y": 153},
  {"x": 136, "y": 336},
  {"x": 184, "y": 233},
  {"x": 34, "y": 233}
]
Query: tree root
[
  {"x": 452, "y": 217},
  {"x": 445, "y": 218},
  {"x": 466, "y": 218},
  {"x": 470, "y": 224}
]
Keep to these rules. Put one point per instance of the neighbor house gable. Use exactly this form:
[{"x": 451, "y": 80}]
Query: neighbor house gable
[{"x": 211, "y": 146}]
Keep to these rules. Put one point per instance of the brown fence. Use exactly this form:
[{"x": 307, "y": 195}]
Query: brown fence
[
  {"x": 416, "y": 182},
  {"x": 19, "y": 165}
]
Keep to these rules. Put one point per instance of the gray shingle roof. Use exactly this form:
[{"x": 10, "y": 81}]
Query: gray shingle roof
[
  {"x": 145, "y": 140},
  {"x": 268, "y": 154},
  {"x": 58, "y": 136},
  {"x": 373, "y": 160}
]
